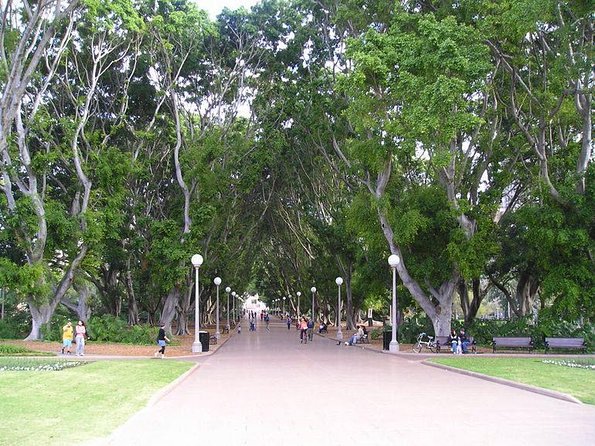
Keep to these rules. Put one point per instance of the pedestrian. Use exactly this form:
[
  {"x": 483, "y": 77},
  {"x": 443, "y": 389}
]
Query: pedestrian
[
  {"x": 67, "y": 332},
  {"x": 81, "y": 335},
  {"x": 310, "y": 329},
  {"x": 267, "y": 320},
  {"x": 162, "y": 339},
  {"x": 239, "y": 328},
  {"x": 288, "y": 322},
  {"x": 303, "y": 324}
]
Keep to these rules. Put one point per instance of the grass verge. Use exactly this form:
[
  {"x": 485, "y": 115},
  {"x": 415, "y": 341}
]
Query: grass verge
[
  {"x": 78, "y": 404},
  {"x": 15, "y": 350},
  {"x": 575, "y": 381}
]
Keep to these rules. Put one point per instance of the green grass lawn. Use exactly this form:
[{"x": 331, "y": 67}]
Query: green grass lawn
[
  {"x": 578, "y": 382},
  {"x": 80, "y": 403}
]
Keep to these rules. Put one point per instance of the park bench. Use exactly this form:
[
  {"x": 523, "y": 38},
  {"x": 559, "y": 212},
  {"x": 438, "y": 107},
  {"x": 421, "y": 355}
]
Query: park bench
[
  {"x": 512, "y": 342},
  {"x": 442, "y": 344},
  {"x": 578, "y": 343}
]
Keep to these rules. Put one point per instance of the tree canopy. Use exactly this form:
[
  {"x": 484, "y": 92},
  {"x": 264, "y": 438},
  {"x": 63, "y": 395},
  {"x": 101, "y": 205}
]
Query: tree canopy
[{"x": 292, "y": 143}]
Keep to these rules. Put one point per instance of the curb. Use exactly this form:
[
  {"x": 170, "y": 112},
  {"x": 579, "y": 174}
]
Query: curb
[
  {"x": 506, "y": 382},
  {"x": 171, "y": 386}
]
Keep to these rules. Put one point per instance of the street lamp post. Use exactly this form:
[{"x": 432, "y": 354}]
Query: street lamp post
[
  {"x": 283, "y": 311},
  {"x": 313, "y": 289},
  {"x": 233, "y": 294},
  {"x": 217, "y": 282},
  {"x": 298, "y": 294},
  {"x": 196, "y": 345},
  {"x": 339, "y": 282},
  {"x": 228, "y": 290},
  {"x": 393, "y": 261}
]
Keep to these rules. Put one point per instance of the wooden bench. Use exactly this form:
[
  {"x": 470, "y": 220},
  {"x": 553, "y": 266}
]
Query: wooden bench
[
  {"x": 578, "y": 343},
  {"x": 442, "y": 344},
  {"x": 513, "y": 342}
]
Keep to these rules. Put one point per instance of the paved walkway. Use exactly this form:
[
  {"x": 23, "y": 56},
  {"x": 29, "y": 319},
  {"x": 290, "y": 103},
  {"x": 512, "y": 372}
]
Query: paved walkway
[{"x": 264, "y": 388}]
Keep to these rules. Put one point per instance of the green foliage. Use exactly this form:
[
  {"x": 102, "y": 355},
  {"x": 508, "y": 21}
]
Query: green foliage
[
  {"x": 108, "y": 328},
  {"x": 413, "y": 326},
  {"x": 12, "y": 327},
  {"x": 376, "y": 333}
]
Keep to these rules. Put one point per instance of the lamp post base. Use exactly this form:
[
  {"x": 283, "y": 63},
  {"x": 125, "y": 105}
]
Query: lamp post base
[
  {"x": 393, "y": 347},
  {"x": 196, "y": 347},
  {"x": 217, "y": 334}
]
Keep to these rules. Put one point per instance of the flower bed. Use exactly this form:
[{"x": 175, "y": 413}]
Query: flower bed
[
  {"x": 32, "y": 365},
  {"x": 586, "y": 364}
]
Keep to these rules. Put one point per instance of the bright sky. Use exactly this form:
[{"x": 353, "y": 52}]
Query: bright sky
[{"x": 214, "y": 7}]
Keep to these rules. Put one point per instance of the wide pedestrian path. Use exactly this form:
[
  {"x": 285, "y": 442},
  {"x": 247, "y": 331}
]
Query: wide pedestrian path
[{"x": 265, "y": 388}]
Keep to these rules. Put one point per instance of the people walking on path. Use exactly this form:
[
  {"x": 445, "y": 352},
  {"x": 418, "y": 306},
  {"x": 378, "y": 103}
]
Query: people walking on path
[
  {"x": 67, "y": 332},
  {"x": 288, "y": 322},
  {"x": 310, "y": 329},
  {"x": 162, "y": 339},
  {"x": 303, "y": 330},
  {"x": 81, "y": 335},
  {"x": 267, "y": 320}
]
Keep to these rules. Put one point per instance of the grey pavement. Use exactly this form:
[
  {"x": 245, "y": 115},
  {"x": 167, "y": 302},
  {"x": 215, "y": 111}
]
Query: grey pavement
[{"x": 264, "y": 388}]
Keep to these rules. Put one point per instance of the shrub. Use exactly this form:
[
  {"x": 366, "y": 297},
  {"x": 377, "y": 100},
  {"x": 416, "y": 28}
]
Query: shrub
[
  {"x": 11, "y": 328},
  {"x": 412, "y": 326},
  {"x": 109, "y": 328},
  {"x": 376, "y": 333}
]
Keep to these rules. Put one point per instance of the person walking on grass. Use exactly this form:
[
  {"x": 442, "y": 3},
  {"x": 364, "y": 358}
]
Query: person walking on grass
[
  {"x": 161, "y": 341},
  {"x": 81, "y": 335},
  {"x": 67, "y": 332}
]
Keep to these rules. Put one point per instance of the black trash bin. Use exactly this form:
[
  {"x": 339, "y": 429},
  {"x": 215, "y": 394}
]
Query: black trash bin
[
  {"x": 203, "y": 337},
  {"x": 386, "y": 338}
]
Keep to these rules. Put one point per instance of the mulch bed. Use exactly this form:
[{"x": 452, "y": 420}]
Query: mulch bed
[{"x": 182, "y": 347}]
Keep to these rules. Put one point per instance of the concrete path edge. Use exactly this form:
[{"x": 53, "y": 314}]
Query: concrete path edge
[
  {"x": 506, "y": 382},
  {"x": 172, "y": 385}
]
